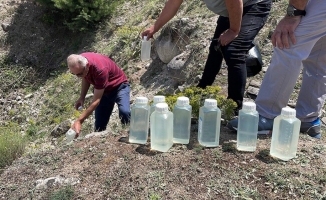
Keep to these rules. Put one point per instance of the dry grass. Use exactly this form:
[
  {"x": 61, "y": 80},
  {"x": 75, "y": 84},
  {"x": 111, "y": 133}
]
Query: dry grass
[{"x": 108, "y": 167}]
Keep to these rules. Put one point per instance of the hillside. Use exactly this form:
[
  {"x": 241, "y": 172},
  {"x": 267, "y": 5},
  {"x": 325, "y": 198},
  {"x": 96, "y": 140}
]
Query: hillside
[{"x": 37, "y": 94}]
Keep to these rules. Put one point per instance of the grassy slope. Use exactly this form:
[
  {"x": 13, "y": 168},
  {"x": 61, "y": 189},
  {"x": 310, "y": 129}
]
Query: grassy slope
[{"x": 108, "y": 167}]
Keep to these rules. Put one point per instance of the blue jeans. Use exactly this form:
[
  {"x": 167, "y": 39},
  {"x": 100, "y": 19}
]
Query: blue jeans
[
  {"x": 103, "y": 111},
  {"x": 234, "y": 54}
]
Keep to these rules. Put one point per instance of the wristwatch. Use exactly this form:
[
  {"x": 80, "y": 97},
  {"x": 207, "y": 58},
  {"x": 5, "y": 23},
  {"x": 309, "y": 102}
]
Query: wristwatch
[{"x": 292, "y": 11}]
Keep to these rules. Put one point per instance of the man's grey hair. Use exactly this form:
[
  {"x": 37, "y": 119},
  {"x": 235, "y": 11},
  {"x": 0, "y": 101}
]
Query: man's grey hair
[
  {"x": 82, "y": 61},
  {"x": 74, "y": 59}
]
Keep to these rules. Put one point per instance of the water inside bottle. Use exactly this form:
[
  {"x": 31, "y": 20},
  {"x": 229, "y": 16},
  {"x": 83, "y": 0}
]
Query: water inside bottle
[
  {"x": 209, "y": 127},
  {"x": 181, "y": 124},
  {"x": 284, "y": 140},
  {"x": 247, "y": 131},
  {"x": 139, "y": 124}
]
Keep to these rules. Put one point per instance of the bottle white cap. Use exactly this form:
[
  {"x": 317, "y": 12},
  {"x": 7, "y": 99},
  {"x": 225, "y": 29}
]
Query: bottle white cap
[
  {"x": 162, "y": 107},
  {"x": 251, "y": 106},
  {"x": 145, "y": 37},
  {"x": 141, "y": 100},
  {"x": 288, "y": 112},
  {"x": 159, "y": 99},
  {"x": 71, "y": 132},
  {"x": 182, "y": 101},
  {"x": 210, "y": 103}
]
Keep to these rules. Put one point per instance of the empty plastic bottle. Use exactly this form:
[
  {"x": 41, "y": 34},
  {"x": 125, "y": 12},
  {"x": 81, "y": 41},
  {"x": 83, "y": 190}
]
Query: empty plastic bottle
[
  {"x": 285, "y": 135},
  {"x": 182, "y": 121},
  {"x": 70, "y": 135},
  {"x": 247, "y": 127},
  {"x": 156, "y": 100},
  {"x": 139, "y": 121},
  {"x": 145, "y": 49},
  {"x": 209, "y": 124},
  {"x": 161, "y": 128}
]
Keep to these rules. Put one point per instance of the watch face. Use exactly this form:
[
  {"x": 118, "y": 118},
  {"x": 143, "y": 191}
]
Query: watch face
[{"x": 290, "y": 10}]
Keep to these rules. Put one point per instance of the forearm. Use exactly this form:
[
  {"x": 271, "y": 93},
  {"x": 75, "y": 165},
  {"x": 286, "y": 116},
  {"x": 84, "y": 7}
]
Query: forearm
[
  {"x": 235, "y": 10},
  {"x": 299, "y": 4},
  {"x": 89, "y": 110},
  {"x": 95, "y": 102},
  {"x": 169, "y": 11},
  {"x": 84, "y": 88}
]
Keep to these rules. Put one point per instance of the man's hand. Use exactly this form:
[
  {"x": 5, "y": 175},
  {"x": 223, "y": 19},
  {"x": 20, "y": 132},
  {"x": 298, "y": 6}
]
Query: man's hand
[
  {"x": 285, "y": 30},
  {"x": 77, "y": 127},
  {"x": 148, "y": 32},
  {"x": 227, "y": 37},
  {"x": 79, "y": 102}
]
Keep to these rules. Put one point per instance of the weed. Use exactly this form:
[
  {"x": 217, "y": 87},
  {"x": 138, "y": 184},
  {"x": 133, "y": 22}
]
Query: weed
[
  {"x": 229, "y": 147},
  {"x": 12, "y": 145},
  {"x": 65, "y": 193}
]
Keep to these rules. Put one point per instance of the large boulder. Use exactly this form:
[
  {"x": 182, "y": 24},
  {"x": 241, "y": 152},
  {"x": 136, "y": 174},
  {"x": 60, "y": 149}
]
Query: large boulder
[{"x": 173, "y": 39}]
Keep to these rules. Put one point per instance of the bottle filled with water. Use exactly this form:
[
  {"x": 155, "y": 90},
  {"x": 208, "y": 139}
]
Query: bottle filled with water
[
  {"x": 247, "y": 127},
  {"x": 285, "y": 135},
  {"x": 161, "y": 128},
  {"x": 181, "y": 121},
  {"x": 209, "y": 124},
  {"x": 139, "y": 121},
  {"x": 156, "y": 99}
]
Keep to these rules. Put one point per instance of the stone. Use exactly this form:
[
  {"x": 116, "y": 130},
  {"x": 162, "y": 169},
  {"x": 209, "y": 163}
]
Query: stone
[
  {"x": 253, "y": 90},
  {"x": 176, "y": 68},
  {"x": 5, "y": 27},
  {"x": 255, "y": 83},
  {"x": 61, "y": 128}
]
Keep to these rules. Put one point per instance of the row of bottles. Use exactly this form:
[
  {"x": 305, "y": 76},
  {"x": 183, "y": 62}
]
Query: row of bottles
[
  {"x": 173, "y": 127},
  {"x": 285, "y": 137}
]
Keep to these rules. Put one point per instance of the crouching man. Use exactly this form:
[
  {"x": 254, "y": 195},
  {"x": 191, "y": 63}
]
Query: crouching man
[{"x": 110, "y": 86}]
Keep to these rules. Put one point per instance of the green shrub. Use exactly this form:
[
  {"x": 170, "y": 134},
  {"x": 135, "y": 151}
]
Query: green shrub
[
  {"x": 197, "y": 97},
  {"x": 12, "y": 145},
  {"x": 65, "y": 193},
  {"x": 80, "y": 15}
]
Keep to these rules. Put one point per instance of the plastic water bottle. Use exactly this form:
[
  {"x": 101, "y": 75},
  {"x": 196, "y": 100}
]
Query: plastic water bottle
[
  {"x": 161, "y": 128},
  {"x": 70, "y": 135},
  {"x": 156, "y": 100},
  {"x": 247, "y": 127},
  {"x": 209, "y": 124},
  {"x": 145, "y": 49},
  {"x": 139, "y": 121},
  {"x": 285, "y": 135},
  {"x": 182, "y": 121}
]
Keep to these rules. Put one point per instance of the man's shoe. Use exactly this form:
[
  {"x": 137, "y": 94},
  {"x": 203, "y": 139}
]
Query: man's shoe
[
  {"x": 311, "y": 128},
  {"x": 265, "y": 125}
]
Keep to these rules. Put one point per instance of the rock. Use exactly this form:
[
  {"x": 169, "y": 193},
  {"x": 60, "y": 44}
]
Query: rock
[
  {"x": 5, "y": 27},
  {"x": 264, "y": 69},
  {"x": 177, "y": 67},
  {"x": 89, "y": 96},
  {"x": 253, "y": 90},
  {"x": 255, "y": 83},
  {"x": 52, "y": 181},
  {"x": 28, "y": 96},
  {"x": 323, "y": 120},
  {"x": 173, "y": 39},
  {"x": 61, "y": 129},
  {"x": 97, "y": 134},
  {"x": 166, "y": 48}
]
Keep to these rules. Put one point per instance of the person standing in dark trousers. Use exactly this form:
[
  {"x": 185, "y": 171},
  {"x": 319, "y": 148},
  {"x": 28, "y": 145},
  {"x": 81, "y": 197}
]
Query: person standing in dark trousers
[
  {"x": 110, "y": 86},
  {"x": 238, "y": 24},
  {"x": 299, "y": 42}
]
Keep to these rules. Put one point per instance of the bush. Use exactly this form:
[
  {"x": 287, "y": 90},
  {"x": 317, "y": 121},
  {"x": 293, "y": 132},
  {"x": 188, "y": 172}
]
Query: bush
[
  {"x": 197, "y": 97},
  {"x": 12, "y": 145},
  {"x": 80, "y": 15}
]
